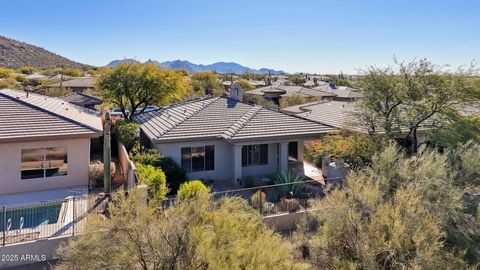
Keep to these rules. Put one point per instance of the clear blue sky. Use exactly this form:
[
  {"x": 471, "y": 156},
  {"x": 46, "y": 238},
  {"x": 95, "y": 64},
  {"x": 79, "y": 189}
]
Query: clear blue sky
[{"x": 313, "y": 36}]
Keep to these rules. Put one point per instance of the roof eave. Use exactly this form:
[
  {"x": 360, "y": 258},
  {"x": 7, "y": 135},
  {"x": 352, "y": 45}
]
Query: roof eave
[{"x": 50, "y": 137}]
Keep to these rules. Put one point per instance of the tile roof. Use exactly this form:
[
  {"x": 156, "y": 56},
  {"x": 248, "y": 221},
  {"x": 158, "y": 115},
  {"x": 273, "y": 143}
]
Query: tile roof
[
  {"x": 224, "y": 118},
  {"x": 290, "y": 90},
  {"x": 82, "y": 99},
  {"x": 331, "y": 112},
  {"x": 38, "y": 116},
  {"x": 340, "y": 91},
  {"x": 339, "y": 114}
]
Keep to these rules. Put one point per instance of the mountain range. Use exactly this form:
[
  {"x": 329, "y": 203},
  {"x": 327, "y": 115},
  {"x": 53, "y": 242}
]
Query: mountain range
[
  {"x": 220, "y": 67},
  {"x": 15, "y": 54}
]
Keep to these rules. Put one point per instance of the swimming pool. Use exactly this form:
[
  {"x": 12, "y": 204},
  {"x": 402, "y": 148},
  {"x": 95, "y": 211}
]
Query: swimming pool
[{"x": 43, "y": 214}]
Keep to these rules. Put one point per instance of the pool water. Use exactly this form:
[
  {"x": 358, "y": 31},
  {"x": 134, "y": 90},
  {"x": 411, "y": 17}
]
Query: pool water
[{"x": 32, "y": 216}]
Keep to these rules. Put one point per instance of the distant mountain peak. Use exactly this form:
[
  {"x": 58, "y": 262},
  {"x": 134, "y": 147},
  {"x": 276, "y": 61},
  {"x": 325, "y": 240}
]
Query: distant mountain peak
[{"x": 220, "y": 67}]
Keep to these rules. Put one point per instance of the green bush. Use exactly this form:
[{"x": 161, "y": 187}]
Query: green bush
[
  {"x": 27, "y": 70},
  {"x": 174, "y": 173},
  {"x": 6, "y": 73},
  {"x": 72, "y": 72},
  {"x": 192, "y": 189},
  {"x": 127, "y": 132},
  {"x": 155, "y": 180}
]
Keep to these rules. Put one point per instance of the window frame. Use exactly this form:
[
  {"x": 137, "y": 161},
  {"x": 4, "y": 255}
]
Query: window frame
[
  {"x": 203, "y": 154},
  {"x": 255, "y": 155},
  {"x": 46, "y": 162}
]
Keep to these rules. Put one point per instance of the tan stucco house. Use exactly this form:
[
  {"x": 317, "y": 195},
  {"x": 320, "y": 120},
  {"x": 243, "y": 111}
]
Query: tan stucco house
[
  {"x": 44, "y": 142},
  {"x": 225, "y": 139}
]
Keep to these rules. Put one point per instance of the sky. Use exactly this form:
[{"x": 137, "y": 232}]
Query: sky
[{"x": 295, "y": 36}]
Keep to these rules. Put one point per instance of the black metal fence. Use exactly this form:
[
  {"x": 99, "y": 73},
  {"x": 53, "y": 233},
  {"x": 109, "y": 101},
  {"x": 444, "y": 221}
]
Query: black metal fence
[
  {"x": 274, "y": 198},
  {"x": 278, "y": 198},
  {"x": 41, "y": 220}
]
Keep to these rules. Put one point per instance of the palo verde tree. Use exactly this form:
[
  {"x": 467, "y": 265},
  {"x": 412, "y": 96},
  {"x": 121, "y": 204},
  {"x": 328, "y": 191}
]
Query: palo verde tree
[
  {"x": 206, "y": 83},
  {"x": 403, "y": 99},
  {"x": 136, "y": 86}
]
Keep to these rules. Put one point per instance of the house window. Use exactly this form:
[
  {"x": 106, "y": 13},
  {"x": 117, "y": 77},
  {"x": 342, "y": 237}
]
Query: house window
[
  {"x": 198, "y": 159},
  {"x": 44, "y": 162},
  {"x": 256, "y": 154}
]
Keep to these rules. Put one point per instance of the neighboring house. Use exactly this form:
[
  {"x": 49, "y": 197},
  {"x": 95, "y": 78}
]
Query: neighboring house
[
  {"x": 83, "y": 100},
  {"x": 339, "y": 114},
  {"x": 223, "y": 138},
  {"x": 44, "y": 142},
  {"x": 342, "y": 115},
  {"x": 340, "y": 93},
  {"x": 276, "y": 92},
  {"x": 257, "y": 84},
  {"x": 77, "y": 84}
]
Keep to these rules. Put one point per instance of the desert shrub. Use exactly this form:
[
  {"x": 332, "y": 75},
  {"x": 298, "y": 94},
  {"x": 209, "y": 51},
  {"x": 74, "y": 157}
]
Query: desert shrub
[
  {"x": 27, "y": 70},
  {"x": 95, "y": 173},
  {"x": 6, "y": 73},
  {"x": 58, "y": 91},
  {"x": 192, "y": 189},
  {"x": 290, "y": 205},
  {"x": 355, "y": 149},
  {"x": 258, "y": 199},
  {"x": 72, "y": 72},
  {"x": 293, "y": 100},
  {"x": 8, "y": 83},
  {"x": 20, "y": 78},
  {"x": 155, "y": 180},
  {"x": 259, "y": 100},
  {"x": 127, "y": 132}
]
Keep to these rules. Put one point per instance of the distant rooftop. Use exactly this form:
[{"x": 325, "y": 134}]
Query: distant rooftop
[
  {"x": 76, "y": 82},
  {"x": 290, "y": 90}
]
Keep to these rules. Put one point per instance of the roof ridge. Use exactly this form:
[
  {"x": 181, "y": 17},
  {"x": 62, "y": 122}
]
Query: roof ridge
[
  {"x": 210, "y": 101},
  {"x": 241, "y": 122},
  {"x": 21, "y": 101}
]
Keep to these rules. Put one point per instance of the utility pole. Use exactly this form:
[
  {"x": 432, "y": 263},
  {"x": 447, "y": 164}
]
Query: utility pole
[{"x": 107, "y": 155}]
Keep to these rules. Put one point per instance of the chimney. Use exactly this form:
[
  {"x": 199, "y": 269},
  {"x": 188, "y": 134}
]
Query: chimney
[{"x": 236, "y": 91}]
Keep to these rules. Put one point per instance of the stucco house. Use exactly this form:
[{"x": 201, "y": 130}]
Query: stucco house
[
  {"x": 225, "y": 139},
  {"x": 44, "y": 142}
]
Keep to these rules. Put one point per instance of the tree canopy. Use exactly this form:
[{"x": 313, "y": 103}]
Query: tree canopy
[
  {"x": 133, "y": 87},
  {"x": 206, "y": 83},
  {"x": 408, "y": 97}
]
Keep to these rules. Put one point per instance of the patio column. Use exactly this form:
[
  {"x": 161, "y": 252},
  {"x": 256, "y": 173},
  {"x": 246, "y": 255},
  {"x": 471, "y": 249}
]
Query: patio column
[
  {"x": 237, "y": 163},
  {"x": 283, "y": 157},
  {"x": 300, "y": 151}
]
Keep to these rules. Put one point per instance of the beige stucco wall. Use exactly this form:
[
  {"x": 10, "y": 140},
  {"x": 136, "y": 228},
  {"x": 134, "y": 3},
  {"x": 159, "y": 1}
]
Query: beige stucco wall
[{"x": 10, "y": 168}]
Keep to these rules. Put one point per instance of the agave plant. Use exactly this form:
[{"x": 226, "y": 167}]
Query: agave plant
[{"x": 291, "y": 186}]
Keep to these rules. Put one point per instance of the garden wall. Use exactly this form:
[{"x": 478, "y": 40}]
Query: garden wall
[{"x": 126, "y": 166}]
